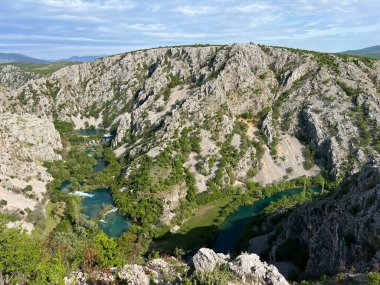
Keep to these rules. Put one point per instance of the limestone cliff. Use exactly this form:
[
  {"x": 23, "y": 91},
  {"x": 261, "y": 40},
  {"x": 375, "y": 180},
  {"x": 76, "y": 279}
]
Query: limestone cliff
[
  {"x": 337, "y": 233},
  {"x": 26, "y": 141}
]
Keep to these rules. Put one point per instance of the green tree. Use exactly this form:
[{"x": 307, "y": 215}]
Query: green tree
[
  {"x": 19, "y": 253},
  {"x": 107, "y": 253},
  {"x": 50, "y": 271}
]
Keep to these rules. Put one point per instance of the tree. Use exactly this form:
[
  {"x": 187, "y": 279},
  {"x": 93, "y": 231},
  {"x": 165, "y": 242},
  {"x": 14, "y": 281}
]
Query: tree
[
  {"x": 108, "y": 256},
  {"x": 50, "y": 271},
  {"x": 19, "y": 253},
  {"x": 320, "y": 181}
]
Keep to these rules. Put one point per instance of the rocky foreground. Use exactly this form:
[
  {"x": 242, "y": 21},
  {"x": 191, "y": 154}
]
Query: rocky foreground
[{"x": 244, "y": 269}]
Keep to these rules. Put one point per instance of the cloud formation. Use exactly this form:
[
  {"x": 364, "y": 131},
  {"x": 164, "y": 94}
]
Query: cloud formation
[{"x": 60, "y": 28}]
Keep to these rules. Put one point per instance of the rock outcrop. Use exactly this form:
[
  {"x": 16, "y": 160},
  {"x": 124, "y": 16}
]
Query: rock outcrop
[
  {"x": 340, "y": 232},
  {"x": 206, "y": 259},
  {"x": 13, "y": 77},
  {"x": 247, "y": 268}
]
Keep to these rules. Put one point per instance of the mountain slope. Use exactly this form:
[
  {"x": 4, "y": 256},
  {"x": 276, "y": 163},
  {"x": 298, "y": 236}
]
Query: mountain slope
[
  {"x": 369, "y": 51},
  {"x": 16, "y": 74},
  {"x": 15, "y": 57},
  {"x": 192, "y": 121}
]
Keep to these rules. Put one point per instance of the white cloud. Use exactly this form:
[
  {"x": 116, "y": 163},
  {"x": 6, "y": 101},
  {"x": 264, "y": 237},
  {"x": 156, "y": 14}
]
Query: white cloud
[
  {"x": 254, "y": 7},
  {"x": 86, "y": 5},
  {"x": 195, "y": 11}
]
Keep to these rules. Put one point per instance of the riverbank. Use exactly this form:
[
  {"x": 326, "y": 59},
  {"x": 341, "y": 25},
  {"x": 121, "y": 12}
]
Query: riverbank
[
  {"x": 196, "y": 232},
  {"x": 221, "y": 223}
]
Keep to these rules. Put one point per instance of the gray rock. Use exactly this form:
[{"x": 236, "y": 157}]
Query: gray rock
[
  {"x": 206, "y": 259},
  {"x": 133, "y": 275},
  {"x": 251, "y": 270}
]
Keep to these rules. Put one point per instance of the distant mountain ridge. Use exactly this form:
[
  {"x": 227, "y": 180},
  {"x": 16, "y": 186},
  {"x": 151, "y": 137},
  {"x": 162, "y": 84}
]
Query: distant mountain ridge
[
  {"x": 373, "y": 51},
  {"x": 85, "y": 58},
  {"x": 15, "y": 57}
]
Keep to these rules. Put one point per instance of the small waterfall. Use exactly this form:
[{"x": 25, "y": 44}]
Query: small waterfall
[
  {"x": 83, "y": 194},
  {"x": 111, "y": 211}
]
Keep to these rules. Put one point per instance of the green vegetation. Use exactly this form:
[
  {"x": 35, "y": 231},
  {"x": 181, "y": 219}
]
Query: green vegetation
[
  {"x": 21, "y": 258},
  {"x": 40, "y": 68},
  {"x": 309, "y": 156},
  {"x": 221, "y": 275},
  {"x": 373, "y": 278},
  {"x": 198, "y": 231}
]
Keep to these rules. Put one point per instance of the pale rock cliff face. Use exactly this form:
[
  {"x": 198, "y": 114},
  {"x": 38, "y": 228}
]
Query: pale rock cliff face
[
  {"x": 128, "y": 91},
  {"x": 13, "y": 77},
  {"x": 124, "y": 125},
  {"x": 26, "y": 141}
]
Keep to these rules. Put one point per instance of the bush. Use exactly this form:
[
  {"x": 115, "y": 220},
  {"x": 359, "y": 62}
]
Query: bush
[
  {"x": 221, "y": 275},
  {"x": 373, "y": 278},
  {"x": 63, "y": 127},
  {"x": 27, "y": 189}
]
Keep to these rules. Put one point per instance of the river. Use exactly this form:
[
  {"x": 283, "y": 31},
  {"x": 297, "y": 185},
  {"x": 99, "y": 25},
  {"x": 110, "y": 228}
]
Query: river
[
  {"x": 113, "y": 224},
  {"x": 93, "y": 203},
  {"x": 234, "y": 225}
]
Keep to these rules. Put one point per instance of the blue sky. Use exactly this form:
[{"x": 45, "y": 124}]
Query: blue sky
[{"x": 60, "y": 28}]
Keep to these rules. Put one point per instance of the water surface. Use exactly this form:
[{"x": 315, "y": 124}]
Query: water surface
[
  {"x": 236, "y": 222},
  {"x": 90, "y": 132},
  {"x": 113, "y": 224}
]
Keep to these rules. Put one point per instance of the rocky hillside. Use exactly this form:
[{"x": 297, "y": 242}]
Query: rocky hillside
[
  {"x": 250, "y": 110},
  {"x": 333, "y": 234},
  {"x": 214, "y": 118},
  {"x": 14, "y": 77},
  {"x": 26, "y": 141}
]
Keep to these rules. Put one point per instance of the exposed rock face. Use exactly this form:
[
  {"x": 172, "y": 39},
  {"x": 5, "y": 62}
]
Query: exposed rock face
[
  {"x": 341, "y": 231},
  {"x": 206, "y": 259},
  {"x": 247, "y": 268},
  {"x": 171, "y": 201},
  {"x": 13, "y": 77},
  {"x": 133, "y": 274},
  {"x": 251, "y": 270},
  {"x": 124, "y": 126},
  {"x": 26, "y": 141}
]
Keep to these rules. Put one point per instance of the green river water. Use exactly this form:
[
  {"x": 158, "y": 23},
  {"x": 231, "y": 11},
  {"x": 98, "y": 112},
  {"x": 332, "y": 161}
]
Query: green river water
[{"x": 235, "y": 223}]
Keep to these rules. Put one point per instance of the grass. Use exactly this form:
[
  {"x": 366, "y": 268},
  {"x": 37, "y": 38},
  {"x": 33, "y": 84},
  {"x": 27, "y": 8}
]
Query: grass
[
  {"x": 40, "y": 68},
  {"x": 196, "y": 232},
  {"x": 205, "y": 215}
]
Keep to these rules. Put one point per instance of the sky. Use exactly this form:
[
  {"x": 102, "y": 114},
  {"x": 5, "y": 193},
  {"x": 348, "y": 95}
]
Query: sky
[{"x": 53, "y": 29}]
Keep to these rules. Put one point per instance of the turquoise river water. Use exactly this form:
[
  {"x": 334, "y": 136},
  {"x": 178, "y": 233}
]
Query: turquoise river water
[{"x": 235, "y": 223}]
